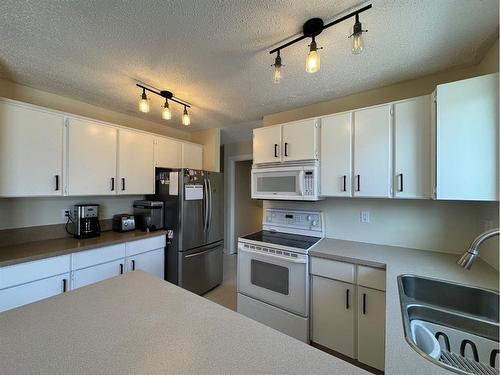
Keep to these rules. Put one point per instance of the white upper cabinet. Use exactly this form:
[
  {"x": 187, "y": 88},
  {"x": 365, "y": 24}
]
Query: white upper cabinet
[
  {"x": 31, "y": 151},
  {"x": 135, "y": 163},
  {"x": 372, "y": 152},
  {"x": 168, "y": 153},
  {"x": 267, "y": 145},
  {"x": 467, "y": 139},
  {"x": 300, "y": 140},
  {"x": 91, "y": 151},
  {"x": 192, "y": 156},
  {"x": 336, "y": 155},
  {"x": 412, "y": 148}
]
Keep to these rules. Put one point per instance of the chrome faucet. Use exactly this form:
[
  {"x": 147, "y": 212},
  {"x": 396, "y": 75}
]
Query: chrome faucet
[{"x": 470, "y": 255}]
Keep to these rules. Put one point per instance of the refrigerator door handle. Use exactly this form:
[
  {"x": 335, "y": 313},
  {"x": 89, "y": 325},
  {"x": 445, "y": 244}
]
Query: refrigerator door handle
[
  {"x": 205, "y": 205},
  {"x": 209, "y": 188}
]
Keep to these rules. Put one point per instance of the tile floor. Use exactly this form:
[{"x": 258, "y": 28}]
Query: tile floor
[{"x": 225, "y": 293}]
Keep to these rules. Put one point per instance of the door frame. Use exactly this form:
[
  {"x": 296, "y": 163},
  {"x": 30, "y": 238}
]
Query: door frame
[{"x": 230, "y": 167}]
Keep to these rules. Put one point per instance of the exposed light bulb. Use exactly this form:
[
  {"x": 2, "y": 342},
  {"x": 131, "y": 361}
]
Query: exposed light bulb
[
  {"x": 144, "y": 102},
  {"x": 277, "y": 69},
  {"x": 357, "y": 37},
  {"x": 313, "y": 60},
  {"x": 185, "y": 117},
  {"x": 166, "y": 114}
]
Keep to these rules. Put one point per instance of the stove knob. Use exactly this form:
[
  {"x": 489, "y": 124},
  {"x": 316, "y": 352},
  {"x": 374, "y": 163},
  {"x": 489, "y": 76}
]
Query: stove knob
[
  {"x": 309, "y": 217},
  {"x": 314, "y": 223}
]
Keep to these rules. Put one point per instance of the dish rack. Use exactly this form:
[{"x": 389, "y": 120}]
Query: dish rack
[{"x": 468, "y": 353}]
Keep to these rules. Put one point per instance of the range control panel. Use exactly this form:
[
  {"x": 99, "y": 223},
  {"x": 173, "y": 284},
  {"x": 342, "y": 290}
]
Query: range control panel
[{"x": 304, "y": 221}]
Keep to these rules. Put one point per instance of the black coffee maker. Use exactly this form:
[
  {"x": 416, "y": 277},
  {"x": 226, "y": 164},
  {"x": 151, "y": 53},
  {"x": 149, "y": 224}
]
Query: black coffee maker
[{"x": 86, "y": 221}]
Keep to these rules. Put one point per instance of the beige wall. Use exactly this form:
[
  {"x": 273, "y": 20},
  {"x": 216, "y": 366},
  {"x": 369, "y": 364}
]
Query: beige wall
[
  {"x": 210, "y": 139},
  {"x": 30, "y": 212},
  {"x": 402, "y": 90},
  {"x": 45, "y": 99},
  {"x": 248, "y": 211}
]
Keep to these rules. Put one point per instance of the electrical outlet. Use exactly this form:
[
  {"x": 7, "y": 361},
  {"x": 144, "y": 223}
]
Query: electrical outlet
[
  {"x": 487, "y": 224},
  {"x": 364, "y": 217},
  {"x": 65, "y": 213}
]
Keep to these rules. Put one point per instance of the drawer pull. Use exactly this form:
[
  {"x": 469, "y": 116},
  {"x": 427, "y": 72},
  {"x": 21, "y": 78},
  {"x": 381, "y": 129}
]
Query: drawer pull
[
  {"x": 121, "y": 268},
  {"x": 347, "y": 299},
  {"x": 364, "y": 303},
  {"x": 65, "y": 286},
  {"x": 133, "y": 265}
]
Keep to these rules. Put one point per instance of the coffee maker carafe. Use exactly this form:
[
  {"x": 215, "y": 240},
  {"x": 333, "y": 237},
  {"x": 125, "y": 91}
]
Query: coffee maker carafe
[{"x": 86, "y": 221}]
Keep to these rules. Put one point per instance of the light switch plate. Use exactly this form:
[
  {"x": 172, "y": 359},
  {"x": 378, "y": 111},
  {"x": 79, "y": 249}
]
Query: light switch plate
[{"x": 364, "y": 216}]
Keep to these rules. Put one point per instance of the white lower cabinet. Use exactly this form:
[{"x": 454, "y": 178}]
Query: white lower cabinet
[
  {"x": 349, "y": 318},
  {"x": 33, "y": 291},
  {"x": 333, "y": 314},
  {"x": 29, "y": 282},
  {"x": 97, "y": 273},
  {"x": 152, "y": 262},
  {"x": 371, "y": 327}
]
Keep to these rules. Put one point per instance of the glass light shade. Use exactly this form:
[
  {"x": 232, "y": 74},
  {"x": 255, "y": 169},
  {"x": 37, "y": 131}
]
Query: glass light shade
[
  {"x": 166, "y": 114},
  {"x": 185, "y": 118},
  {"x": 144, "y": 103},
  {"x": 357, "y": 43},
  {"x": 277, "y": 74},
  {"x": 312, "y": 61}
]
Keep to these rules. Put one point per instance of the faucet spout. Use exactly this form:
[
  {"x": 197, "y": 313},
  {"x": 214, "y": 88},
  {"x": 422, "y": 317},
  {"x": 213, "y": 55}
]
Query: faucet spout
[{"x": 468, "y": 258}]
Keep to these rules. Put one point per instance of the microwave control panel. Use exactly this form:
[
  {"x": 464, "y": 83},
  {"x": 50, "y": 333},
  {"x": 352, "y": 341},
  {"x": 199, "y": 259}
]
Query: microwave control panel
[
  {"x": 294, "y": 219},
  {"x": 308, "y": 183}
]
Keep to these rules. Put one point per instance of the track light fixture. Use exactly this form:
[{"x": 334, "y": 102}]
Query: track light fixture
[
  {"x": 166, "y": 113},
  {"x": 311, "y": 29}
]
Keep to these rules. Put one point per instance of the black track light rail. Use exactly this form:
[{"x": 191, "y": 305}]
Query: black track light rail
[
  {"x": 335, "y": 22},
  {"x": 164, "y": 94}
]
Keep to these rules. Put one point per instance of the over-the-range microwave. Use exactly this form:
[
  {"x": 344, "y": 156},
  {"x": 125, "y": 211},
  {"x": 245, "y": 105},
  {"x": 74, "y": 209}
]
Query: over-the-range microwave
[{"x": 290, "y": 182}]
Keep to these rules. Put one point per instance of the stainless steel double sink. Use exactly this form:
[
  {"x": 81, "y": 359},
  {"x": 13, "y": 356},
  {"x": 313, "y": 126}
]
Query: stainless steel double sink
[{"x": 462, "y": 320}]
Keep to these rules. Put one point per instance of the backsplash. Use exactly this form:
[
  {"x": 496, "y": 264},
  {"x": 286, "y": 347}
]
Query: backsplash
[{"x": 30, "y": 212}]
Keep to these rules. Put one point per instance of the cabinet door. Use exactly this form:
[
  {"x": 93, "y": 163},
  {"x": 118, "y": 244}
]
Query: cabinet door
[
  {"x": 300, "y": 140},
  {"x": 467, "y": 139},
  {"x": 32, "y": 292},
  {"x": 31, "y": 151},
  {"x": 168, "y": 153},
  {"x": 336, "y": 155},
  {"x": 97, "y": 273},
  {"x": 91, "y": 158},
  {"x": 412, "y": 148},
  {"x": 267, "y": 144},
  {"x": 371, "y": 327},
  {"x": 372, "y": 152},
  {"x": 333, "y": 307},
  {"x": 152, "y": 262},
  {"x": 192, "y": 156},
  {"x": 135, "y": 163}
]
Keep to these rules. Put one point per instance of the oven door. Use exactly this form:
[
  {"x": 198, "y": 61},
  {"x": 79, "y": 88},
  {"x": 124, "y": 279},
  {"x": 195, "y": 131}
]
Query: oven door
[
  {"x": 278, "y": 280},
  {"x": 278, "y": 183}
]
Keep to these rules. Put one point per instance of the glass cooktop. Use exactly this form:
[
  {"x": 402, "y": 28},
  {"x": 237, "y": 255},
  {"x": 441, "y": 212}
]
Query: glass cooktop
[{"x": 284, "y": 239}]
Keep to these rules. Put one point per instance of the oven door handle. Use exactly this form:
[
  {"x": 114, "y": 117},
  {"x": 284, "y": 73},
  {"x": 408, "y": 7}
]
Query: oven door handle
[
  {"x": 285, "y": 259},
  {"x": 301, "y": 183}
]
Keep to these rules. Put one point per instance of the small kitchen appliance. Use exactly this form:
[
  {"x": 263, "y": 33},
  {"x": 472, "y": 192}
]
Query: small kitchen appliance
[
  {"x": 148, "y": 215},
  {"x": 86, "y": 221},
  {"x": 123, "y": 223},
  {"x": 273, "y": 270}
]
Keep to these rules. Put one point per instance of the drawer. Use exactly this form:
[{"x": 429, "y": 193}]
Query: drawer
[
  {"x": 147, "y": 244},
  {"x": 97, "y": 273},
  {"x": 30, "y": 271},
  {"x": 371, "y": 277},
  {"x": 332, "y": 269},
  {"x": 97, "y": 256},
  {"x": 33, "y": 291}
]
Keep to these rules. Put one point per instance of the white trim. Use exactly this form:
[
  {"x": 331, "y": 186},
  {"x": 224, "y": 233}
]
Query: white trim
[{"x": 230, "y": 167}]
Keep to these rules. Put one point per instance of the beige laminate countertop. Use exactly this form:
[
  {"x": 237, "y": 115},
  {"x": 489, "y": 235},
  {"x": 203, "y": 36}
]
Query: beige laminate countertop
[
  {"x": 138, "y": 324},
  {"x": 400, "y": 358},
  {"x": 30, "y": 251}
]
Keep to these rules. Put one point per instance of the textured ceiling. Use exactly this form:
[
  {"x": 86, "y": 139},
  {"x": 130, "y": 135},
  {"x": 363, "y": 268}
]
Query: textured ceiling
[{"x": 214, "y": 54}]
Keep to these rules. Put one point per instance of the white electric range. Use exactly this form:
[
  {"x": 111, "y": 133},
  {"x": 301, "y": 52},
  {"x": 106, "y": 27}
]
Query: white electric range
[{"x": 273, "y": 270}]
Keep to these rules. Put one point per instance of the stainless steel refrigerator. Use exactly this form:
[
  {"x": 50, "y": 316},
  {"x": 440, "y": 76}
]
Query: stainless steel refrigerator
[{"x": 194, "y": 217}]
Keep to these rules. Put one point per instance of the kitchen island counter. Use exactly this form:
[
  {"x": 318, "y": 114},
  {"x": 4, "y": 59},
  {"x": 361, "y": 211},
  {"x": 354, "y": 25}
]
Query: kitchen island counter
[{"x": 138, "y": 324}]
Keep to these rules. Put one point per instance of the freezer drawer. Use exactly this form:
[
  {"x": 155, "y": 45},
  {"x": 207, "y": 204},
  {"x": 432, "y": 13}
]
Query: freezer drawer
[{"x": 201, "y": 268}]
